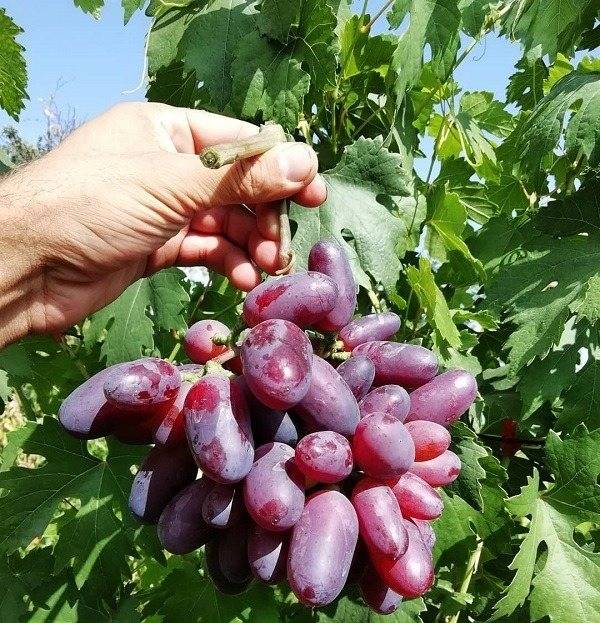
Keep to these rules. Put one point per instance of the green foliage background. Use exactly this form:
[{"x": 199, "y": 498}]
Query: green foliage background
[{"x": 492, "y": 260}]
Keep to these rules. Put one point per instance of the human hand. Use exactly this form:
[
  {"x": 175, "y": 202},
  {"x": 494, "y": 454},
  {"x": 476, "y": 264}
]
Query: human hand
[{"x": 126, "y": 195}]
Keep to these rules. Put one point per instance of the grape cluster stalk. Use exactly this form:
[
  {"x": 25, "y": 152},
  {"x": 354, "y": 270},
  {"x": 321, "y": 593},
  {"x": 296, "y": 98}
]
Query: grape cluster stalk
[{"x": 281, "y": 465}]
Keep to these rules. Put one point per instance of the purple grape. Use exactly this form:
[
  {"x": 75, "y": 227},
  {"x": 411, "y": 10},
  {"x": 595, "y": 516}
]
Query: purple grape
[
  {"x": 371, "y": 328},
  {"x": 223, "y": 506},
  {"x": 277, "y": 361},
  {"x": 328, "y": 404},
  {"x": 274, "y": 488},
  {"x": 164, "y": 472},
  {"x": 198, "y": 341},
  {"x": 379, "y": 597},
  {"x": 430, "y": 438},
  {"x": 216, "y": 574},
  {"x": 135, "y": 431},
  {"x": 360, "y": 562},
  {"x": 329, "y": 258},
  {"x": 302, "y": 298},
  {"x": 426, "y": 531},
  {"x": 438, "y": 472},
  {"x": 416, "y": 498},
  {"x": 389, "y": 399},
  {"x": 268, "y": 554},
  {"x": 443, "y": 399},
  {"x": 322, "y": 547},
  {"x": 382, "y": 446},
  {"x": 170, "y": 432},
  {"x": 407, "y": 365},
  {"x": 181, "y": 529},
  {"x": 233, "y": 554},
  {"x": 217, "y": 424},
  {"x": 324, "y": 456},
  {"x": 359, "y": 373}
]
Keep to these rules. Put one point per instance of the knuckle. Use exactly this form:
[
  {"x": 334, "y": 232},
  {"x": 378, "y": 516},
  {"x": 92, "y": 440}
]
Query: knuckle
[{"x": 251, "y": 179}]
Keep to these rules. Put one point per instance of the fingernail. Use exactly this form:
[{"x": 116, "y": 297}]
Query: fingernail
[{"x": 297, "y": 161}]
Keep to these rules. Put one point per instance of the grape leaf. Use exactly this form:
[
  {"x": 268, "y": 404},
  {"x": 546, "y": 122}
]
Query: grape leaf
[
  {"x": 130, "y": 7},
  {"x": 154, "y": 302},
  {"x": 93, "y": 7},
  {"x": 526, "y": 85},
  {"x": 555, "y": 512},
  {"x": 348, "y": 609},
  {"x": 165, "y": 37},
  {"x": 13, "y": 590},
  {"x": 474, "y": 14},
  {"x": 13, "y": 73}
]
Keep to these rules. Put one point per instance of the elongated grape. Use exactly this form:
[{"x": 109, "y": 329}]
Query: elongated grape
[
  {"x": 440, "y": 471},
  {"x": 389, "y": 399},
  {"x": 142, "y": 386},
  {"x": 382, "y": 446},
  {"x": 370, "y": 328},
  {"x": 376, "y": 594},
  {"x": 277, "y": 361},
  {"x": 164, "y": 472},
  {"x": 416, "y": 498},
  {"x": 328, "y": 404},
  {"x": 443, "y": 399},
  {"x": 198, "y": 341},
  {"x": 322, "y": 548},
  {"x": 213, "y": 567},
  {"x": 328, "y": 257},
  {"x": 426, "y": 531},
  {"x": 301, "y": 298},
  {"x": 359, "y": 373},
  {"x": 274, "y": 488},
  {"x": 137, "y": 431},
  {"x": 170, "y": 432},
  {"x": 233, "y": 554},
  {"x": 223, "y": 506},
  {"x": 412, "y": 574},
  {"x": 407, "y": 365},
  {"x": 379, "y": 519},
  {"x": 268, "y": 554},
  {"x": 218, "y": 429},
  {"x": 85, "y": 412},
  {"x": 181, "y": 529},
  {"x": 324, "y": 456},
  {"x": 430, "y": 438},
  {"x": 360, "y": 561}
]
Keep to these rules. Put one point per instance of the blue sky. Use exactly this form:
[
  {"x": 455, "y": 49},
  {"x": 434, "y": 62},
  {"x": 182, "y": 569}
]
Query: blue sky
[{"x": 95, "y": 62}]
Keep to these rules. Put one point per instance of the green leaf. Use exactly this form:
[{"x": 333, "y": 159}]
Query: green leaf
[
  {"x": 93, "y": 7},
  {"x": 13, "y": 73},
  {"x": 474, "y": 14},
  {"x": 156, "y": 302},
  {"x": 349, "y": 610},
  {"x": 554, "y": 513},
  {"x": 526, "y": 86},
  {"x": 165, "y": 37},
  {"x": 130, "y": 7}
]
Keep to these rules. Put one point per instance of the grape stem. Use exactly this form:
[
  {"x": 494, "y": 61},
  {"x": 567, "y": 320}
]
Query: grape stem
[
  {"x": 523, "y": 440},
  {"x": 367, "y": 27},
  {"x": 287, "y": 258},
  {"x": 470, "y": 571}
]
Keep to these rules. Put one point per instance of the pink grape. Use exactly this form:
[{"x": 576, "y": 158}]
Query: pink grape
[
  {"x": 277, "y": 361},
  {"x": 427, "y": 532},
  {"x": 328, "y": 404},
  {"x": 430, "y": 439},
  {"x": 223, "y": 506},
  {"x": 329, "y": 258},
  {"x": 376, "y": 594},
  {"x": 359, "y": 373},
  {"x": 416, "y": 498},
  {"x": 274, "y": 488},
  {"x": 370, "y": 328},
  {"x": 322, "y": 548},
  {"x": 443, "y": 399},
  {"x": 379, "y": 519},
  {"x": 324, "y": 456},
  {"x": 198, "y": 341},
  {"x": 390, "y": 399},
  {"x": 382, "y": 446},
  {"x": 407, "y": 365},
  {"x": 217, "y": 425},
  {"x": 438, "y": 472},
  {"x": 268, "y": 554},
  {"x": 412, "y": 574},
  {"x": 301, "y": 298},
  {"x": 170, "y": 432}
]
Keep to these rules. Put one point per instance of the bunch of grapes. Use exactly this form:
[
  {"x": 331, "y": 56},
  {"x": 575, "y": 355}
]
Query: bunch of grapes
[{"x": 313, "y": 474}]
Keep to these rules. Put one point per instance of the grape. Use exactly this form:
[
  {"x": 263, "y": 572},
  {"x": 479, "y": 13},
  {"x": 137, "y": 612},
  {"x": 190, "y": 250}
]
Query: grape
[
  {"x": 430, "y": 439},
  {"x": 412, "y": 574},
  {"x": 217, "y": 424},
  {"x": 137, "y": 432},
  {"x": 440, "y": 471},
  {"x": 389, "y": 399},
  {"x": 181, "y": 529},
  {"x": 324, "y": 457},
  {"x": 268, "y": 554},
  {"x": 379, "y": 519},
  {"x": 369, "y": 328},
  {"x": 360, "y": 560},
  {"x": 213, "y": 567},
  {"x": 302, "y": 298},
  {"x": 198, "y": 343},
  {"x": 274, "y": 488},
  {"x": 407, "y": 365},
  {"x": 426, "y": 531},
  {"x": 233, "y": 554},
  {"x": 85, "y": 413},
  {"x": 142, "y": 386},
  {"x": 328, "y": 404},
  {"x": 222, "y": 506},
  {"x": 444, "y": 399},
  {"x": 234, "y": 365},
  {"x": 277, "y": 362},
  {"x": 190, "y": 368},
  {"x": 416, "y": 498},
  {"x": 329, "y": 258},
  {"x": 382, "y": 446},
  {"x": 359, "y": 373},
  {"x": 322, "y": 548},
  {"x": 376, "y": 594},
  {"x": 164, "y": 472},
  {"x": 171, "y": 430}
]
